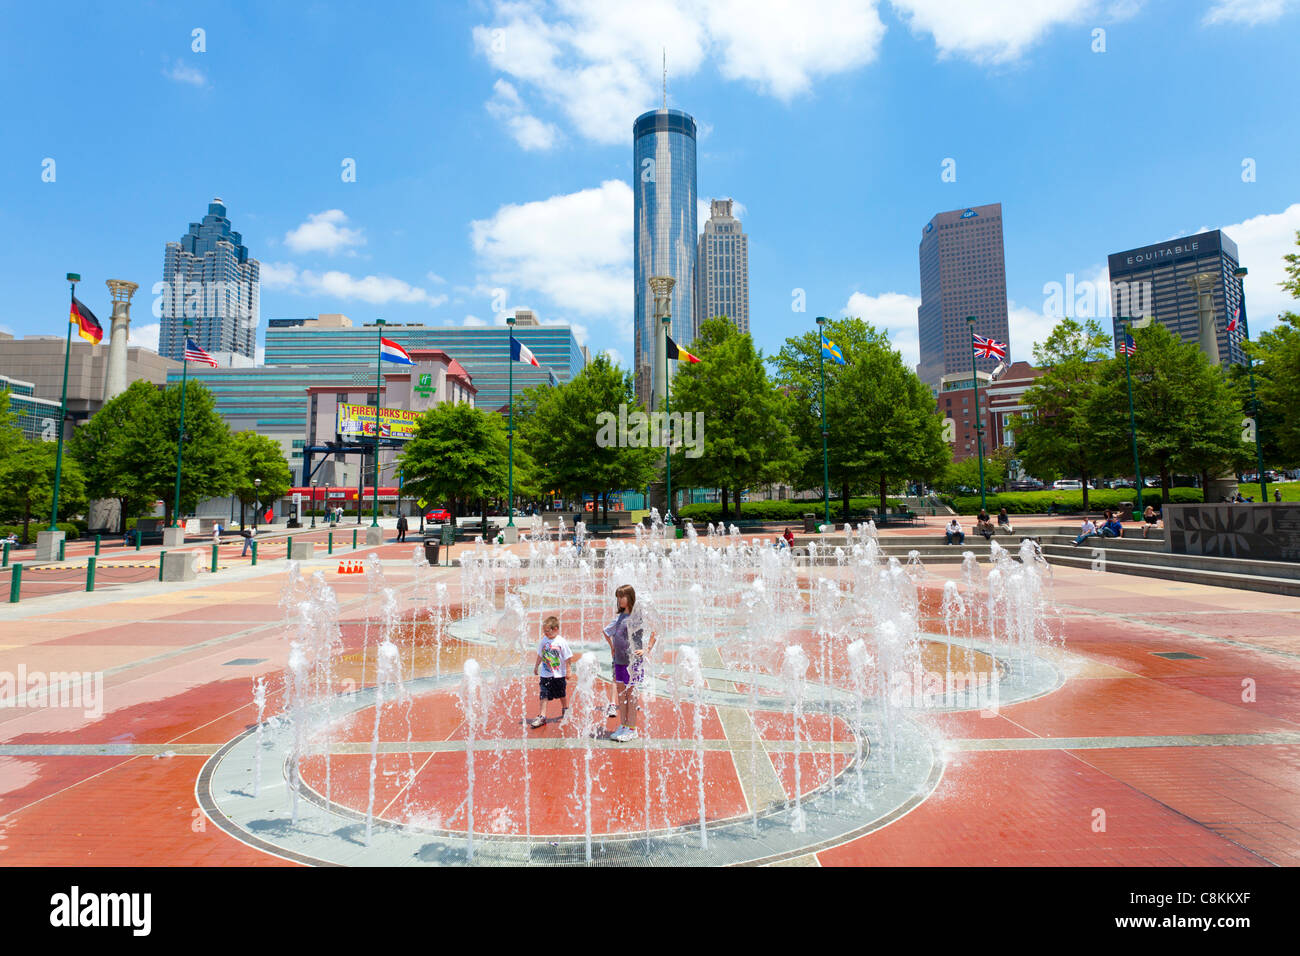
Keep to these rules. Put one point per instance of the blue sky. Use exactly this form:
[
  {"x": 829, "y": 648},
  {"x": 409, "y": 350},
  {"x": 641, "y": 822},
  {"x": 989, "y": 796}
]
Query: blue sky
[{"x": 492, "y": 148}]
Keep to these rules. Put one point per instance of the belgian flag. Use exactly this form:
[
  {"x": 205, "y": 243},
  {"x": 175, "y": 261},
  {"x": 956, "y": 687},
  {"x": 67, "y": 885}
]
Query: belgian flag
[
  {"x": 88, "y": 326},
  {"x": 677, "y": 353}
]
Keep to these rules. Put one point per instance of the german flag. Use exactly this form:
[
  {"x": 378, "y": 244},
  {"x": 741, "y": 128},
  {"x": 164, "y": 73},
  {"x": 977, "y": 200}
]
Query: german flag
[
  {"x": 88, "y": 326},
  {"x": 677, "y": 353}
]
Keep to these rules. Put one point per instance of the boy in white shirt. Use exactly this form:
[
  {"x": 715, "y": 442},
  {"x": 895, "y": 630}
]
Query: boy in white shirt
[{"x": 553, "y": 656}]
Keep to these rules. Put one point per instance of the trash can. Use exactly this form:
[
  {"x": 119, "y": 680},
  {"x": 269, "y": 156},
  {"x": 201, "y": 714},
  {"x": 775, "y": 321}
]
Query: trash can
[
  {"x": 809, "y": 524},
  {"x": 431, "y": 550},
  {"x": 681, "y": 532}
]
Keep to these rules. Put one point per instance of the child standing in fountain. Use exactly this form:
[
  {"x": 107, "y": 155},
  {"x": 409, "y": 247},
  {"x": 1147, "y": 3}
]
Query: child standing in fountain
[
  {"x": 624, "y": 637},
  {"x": 553, "y": 656}
]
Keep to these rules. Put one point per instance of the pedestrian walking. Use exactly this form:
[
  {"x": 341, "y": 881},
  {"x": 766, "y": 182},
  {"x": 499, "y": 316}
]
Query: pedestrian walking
[{"x": 401, "y": 527}]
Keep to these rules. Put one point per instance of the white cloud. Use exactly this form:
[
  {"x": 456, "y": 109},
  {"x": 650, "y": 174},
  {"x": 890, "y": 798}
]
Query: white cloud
[
  {"x": 1027, "y": 327},
  {"x": 615, "y": 357},
  {"x": 1262, "y": 241},
  {"x": 600, "y": 63},
  {"x": 575, "y": 249},
  {"x": 528, "y": 131},
  {"x": 181, "y": 72},
  {"x": 1246, "y": 12},
  {"x": 992, "y": 31},
  {"x": 259, "y": 355},
  {"x": 473, "y": 320},
  {"x": 377, "y": 290},
  {"x": 145, "y": 336},
  {"x": 324, "y": 232},
  {"x": 277, "y": 275},
  {"x": 435, "y": 278},
  {"x": 893, "y": 313}
]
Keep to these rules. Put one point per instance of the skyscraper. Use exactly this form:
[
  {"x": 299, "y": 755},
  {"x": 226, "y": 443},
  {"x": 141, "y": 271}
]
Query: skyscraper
[
  {"x": 722, "y": 268},
  {"x": 1152, "y": 280},
  {"x": 210, "y": 280},
  {"x": 963, "y": 273},
  {"x": 664, "y": 235}
]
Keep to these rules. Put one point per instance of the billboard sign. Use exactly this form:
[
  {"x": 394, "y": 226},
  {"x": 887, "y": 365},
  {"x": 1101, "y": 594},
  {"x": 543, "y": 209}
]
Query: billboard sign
[{"x": 357, "y": 423}]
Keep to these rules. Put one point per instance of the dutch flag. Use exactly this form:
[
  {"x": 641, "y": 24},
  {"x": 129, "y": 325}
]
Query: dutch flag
[
  {"x": 390, "y": 351},
  {"x": 522, "y": 353}
]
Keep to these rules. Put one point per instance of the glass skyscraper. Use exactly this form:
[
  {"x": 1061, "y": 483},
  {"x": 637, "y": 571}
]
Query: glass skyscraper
[
  {"x": 664, "y": 232},
  {"x": 963, "y": 272},
  {"x": 1152, "y": 280},
  {"x": 209, "y": 279}
]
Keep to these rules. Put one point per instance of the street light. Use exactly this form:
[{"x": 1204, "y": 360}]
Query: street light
[
  {"x": 313, "y": 502},
  {"x": 979, "y": 422},
  {"x": 257, "y": 501},
  {"x": 826, "y": 461},
  {"x": 1240, "y": 275}
]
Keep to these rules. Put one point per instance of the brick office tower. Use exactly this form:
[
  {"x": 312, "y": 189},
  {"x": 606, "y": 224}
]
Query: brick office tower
[{"x": 963, "y": 272}]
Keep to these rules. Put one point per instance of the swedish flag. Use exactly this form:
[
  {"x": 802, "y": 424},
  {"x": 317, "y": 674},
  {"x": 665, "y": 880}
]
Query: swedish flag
[{"x": 832, "y": 351}]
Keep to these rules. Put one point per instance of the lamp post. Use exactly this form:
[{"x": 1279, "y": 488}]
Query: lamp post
[
  {"x": 826, "y": 461},
  {"x": 668, "y": 425},
  {"x": 1132, "y": 420},
  {"x": 510, "y": 428},
  {"x": 661, "y": 287},
  {"x": 313, "y": 502},
  {"x": 1240, "y": 274},
  {"x": 379, "y": 361},
  {"x": 180, "y": 438},
  {"x": 979, "y": 422},
  {"x": 257, "y": 501}
]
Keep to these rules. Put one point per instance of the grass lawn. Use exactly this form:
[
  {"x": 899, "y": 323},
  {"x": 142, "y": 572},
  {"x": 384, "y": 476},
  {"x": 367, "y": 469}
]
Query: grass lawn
[{"x": 1290, "y": 490}]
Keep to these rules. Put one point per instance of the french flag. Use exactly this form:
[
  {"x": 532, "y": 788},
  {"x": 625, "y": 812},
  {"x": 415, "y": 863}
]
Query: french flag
[
  {"x": 390, "y": 351},
  {"x": 522, "y": 353}
]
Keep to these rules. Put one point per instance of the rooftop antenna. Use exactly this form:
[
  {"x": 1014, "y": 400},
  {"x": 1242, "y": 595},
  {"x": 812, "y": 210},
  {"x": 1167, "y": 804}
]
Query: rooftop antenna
[{"x": 665, "y": 49}]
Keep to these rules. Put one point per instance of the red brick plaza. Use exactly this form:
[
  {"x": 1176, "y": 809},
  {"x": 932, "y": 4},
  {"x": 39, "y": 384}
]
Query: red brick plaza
[{"x": 1170, "y": 739}]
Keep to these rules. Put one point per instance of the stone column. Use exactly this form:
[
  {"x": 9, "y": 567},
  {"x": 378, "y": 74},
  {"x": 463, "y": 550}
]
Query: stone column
[
  {"x": 1203, "y": 284},
  {"x": 105, "y": 514}
]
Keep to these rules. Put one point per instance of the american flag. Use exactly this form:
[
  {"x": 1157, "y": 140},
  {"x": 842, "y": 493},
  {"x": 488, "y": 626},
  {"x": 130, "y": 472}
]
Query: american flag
[
  {"x": 987, "y": 348},
  {"x": 195, "y": 354},
  {"x": 1128, "y": 346}
]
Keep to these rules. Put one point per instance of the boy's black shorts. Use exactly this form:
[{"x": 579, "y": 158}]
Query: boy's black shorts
[{"x": 552, "y": 688}]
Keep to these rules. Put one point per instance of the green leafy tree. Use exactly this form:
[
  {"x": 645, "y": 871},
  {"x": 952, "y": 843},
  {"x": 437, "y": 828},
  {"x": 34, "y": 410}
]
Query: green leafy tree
[
  {"x": 1188, "y": 415},
  {"x": 100, "y": 447},
  {"x": 27, "y": 485},
  {"x": 258, "y": 458},
  {"x": 1060, "y": 437},
  {"x": 568, "y": 434},
  {"x": 746, "y": 437},
  {"x": 210, "y": 467},
  {"x": 883, "y": 426},
  {"x": 11, "y": 436},
  {"x": 963, "y": 477},
  {"x": 458, "y": 455},
  {"x": 1277, "y": 377}
]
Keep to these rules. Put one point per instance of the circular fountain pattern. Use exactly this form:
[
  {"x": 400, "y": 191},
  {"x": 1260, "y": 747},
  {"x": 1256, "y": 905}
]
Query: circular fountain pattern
[{"x": 785, "y": 719}]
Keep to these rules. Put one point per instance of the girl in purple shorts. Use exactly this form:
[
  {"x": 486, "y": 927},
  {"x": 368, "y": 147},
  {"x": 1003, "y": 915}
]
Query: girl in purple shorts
[{"x": 629, "y": 661}]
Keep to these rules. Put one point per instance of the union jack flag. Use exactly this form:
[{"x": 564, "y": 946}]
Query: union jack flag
[
  {"x": 193, "y": 353},
  {"x": 987, "y": 348},
  {"x": 1128, "y": 346}
]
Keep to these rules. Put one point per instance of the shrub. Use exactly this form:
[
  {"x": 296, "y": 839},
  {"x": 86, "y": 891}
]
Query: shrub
[
  {"x": 792, "y": 511},
  {"x": 1068, "y": 502},
  {"x": 68, "y": 528}
]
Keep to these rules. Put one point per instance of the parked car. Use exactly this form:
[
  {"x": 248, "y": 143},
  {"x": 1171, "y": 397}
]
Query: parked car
[
  {"x": 1120, "y": 483},
  {"x": 1027, "y": 484},
  {"x": 438, "y": 516},
  {"x": 1067, "y": 484}
]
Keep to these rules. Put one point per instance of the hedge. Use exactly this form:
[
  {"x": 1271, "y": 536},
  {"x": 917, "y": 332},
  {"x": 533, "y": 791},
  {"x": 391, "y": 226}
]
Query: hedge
[
  {"x": 68, "y": 528},
  {"x": 792, "y": 511},
  {"x": 1037, "y": 502}
]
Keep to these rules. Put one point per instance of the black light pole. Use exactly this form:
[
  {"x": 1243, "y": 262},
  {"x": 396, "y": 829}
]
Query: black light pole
[
  {"x": 313, "y": 502},
  {"x": 1240, "y": 275},
  {"x": 257, "y": 501},
  {"x": 979, "y": 422}
]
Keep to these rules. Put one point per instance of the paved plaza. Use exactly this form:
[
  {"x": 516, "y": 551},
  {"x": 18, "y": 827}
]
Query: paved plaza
[{"x": 1161, "y": 730}]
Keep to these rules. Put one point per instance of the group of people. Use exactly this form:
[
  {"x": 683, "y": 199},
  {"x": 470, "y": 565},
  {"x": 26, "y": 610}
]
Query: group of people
[
  {"x": 953, "y": 534},
  {"x": 628, "y": 651},
  {"x": 1110, "y": 527}
]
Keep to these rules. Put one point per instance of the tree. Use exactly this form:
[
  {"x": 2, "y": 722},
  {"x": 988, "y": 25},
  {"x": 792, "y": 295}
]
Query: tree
[
  {"x": 27, "y": 484},
  {"x": 1277, "y": 377},
  {"x": 746, "y": 438},
  {"x": 458, "y": 455},
  {"x": 1060, "y": 436},
  {"x": 258, "y": 457},
  {"x": 961, "y": 476},
  {"x": 1188, "y": 416},
  {"x": 882, "y": 421},
  {"x": 571, "y": 433},
  {"x": 209, "y": 467},
  {"x": 99, "y": 446}
]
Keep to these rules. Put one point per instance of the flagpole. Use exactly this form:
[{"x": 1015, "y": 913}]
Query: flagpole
[
  {"x": 979, "y": 424},
  {"x": 826, "y": 461},
  {"x": 1240, "y": 274},
  {"x": 379, "y": 361},
  {"x": 180, "y": 438},
  {"x": 73, "y": 278},
  {"x": 668, "y": 423},
  {"x": 510, "y": 429},
  {"x": 1132, "y": 420}
]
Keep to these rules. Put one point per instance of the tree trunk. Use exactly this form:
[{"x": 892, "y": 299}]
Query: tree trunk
[
  {"x": 1166, "y": 482},
  {"x": 241, "y": 516},
  {"x": 844, "y": 494},
  {"x": 884, "y": 502},
  {"x": 483, "y": 510},
  {"x": 737, "y": 504},
  {"x": 1205, "y": 482},
  {"x": 605, "y": 508},
  {"x": 27, "y": 520},
  {"x": 1084, "y": 479},
  {"x": 723, "y": 489}
]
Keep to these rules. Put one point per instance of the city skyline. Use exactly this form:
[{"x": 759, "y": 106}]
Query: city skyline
[{"x": 836, "y": 169}]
